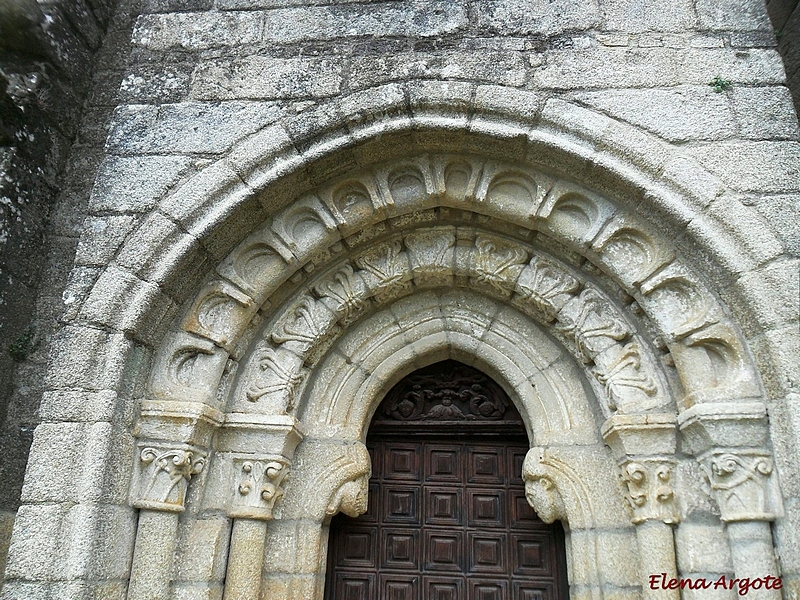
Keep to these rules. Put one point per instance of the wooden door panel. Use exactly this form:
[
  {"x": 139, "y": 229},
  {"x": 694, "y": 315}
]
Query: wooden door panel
[
  {"x": 444, "y": 551},
  {"x": 443, "y": 506},
  {"x": 446, "y": 521}
]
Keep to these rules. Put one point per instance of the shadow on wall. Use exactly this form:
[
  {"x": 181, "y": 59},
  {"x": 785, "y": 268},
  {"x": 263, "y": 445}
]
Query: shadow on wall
[{"x": 785, "y": 16}]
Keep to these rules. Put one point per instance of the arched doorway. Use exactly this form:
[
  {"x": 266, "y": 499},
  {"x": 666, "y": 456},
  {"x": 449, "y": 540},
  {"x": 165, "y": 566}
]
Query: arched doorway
[{"x": 447, "y": 517}]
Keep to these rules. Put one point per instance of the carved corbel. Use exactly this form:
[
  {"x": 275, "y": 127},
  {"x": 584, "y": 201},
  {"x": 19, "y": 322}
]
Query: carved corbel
[
  {"x": 540, "y": 488},
  {"x": 351, "y": 473},
  {"x": 259, "y": 486},
  {"x": 162, "y": 475}
]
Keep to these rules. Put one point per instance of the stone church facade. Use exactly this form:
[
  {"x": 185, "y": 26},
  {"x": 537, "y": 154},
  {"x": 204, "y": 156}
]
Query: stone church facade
[{"x": 273, "y": 211}]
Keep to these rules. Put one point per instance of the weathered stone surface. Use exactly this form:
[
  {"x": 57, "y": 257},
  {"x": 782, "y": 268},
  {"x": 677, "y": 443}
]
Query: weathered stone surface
[
  {"x": 194, "y": 128},
  {"x": 504, "y": 68},
  {"x": 515, "y": 17},
  {"x": 753, "y": 166},
  {"x": 734, "y": 15},
  {"x": 634, "y": 16},
  {"x": 199, "y": 31},
  {"x": 764, "y": 113},
  {"x": 677, "y": 114},
  {"x": 134, "y": 184},
  {"x": 256, "y": 77},
  {"x": 604, "y": 67}
]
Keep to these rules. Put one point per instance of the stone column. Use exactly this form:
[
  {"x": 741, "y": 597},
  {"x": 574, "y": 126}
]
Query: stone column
[
  {"x": 172, "y": 448},
  {"x": 644, "y": 446},
  {"x": 259, "y": 450},
  {"x": 160, "y": 485},
  {"x": 729, "y": 441},
  {"x": 258, "y": 488}
]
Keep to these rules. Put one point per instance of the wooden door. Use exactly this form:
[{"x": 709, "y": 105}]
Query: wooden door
[{"x": 447, "y": 517}]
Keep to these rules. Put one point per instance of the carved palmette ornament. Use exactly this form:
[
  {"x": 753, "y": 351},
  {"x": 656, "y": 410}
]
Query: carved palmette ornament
[
  {"x": 649, "y": 490},
  {"x": 258, "y": 486},
  {"x": 742, "y": 485},
  {"x": 163, "y": 474}
]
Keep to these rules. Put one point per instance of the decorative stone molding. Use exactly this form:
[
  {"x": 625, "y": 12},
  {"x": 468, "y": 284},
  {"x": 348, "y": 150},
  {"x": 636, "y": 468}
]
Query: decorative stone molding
[
  {"x": 650, "y": 490},
  {"x": 615, "y": 354},
  {"x": 729, "y": 442},
  {"x": 554, "y": 491},
  {"x": 259, "y": 486},
  {"x": 162, "y": 475}
]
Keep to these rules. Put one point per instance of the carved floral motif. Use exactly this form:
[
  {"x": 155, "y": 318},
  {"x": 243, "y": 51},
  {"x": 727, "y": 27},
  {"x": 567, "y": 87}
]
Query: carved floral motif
[
  {"x": 163, "y": 476},
  {"x": 388, "y": 265},
  {"x": 341, "y": 287},
  {"x": 498, "y": 265},
  {"x": 625, "y": 381},
  {"x": 258, "y": 486},
  {"x": 594, "y": 326},
  {"x": 273, "y": 376},
  {"x": 650, "y": 493},
  {"x": 741, "y": 485},
  {"x": 547, "y": 285}
]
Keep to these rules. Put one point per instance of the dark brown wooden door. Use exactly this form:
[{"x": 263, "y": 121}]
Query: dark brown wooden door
[{"x": 447, "y": 520}]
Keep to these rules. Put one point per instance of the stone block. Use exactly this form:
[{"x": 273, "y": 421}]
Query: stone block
[
  {"x": 33, "y": 555},
  {"x": 765, "y": 113},
  {"x": 203, "y": 549},
  {"x": 734, "y": 15},
  {"x": 121, "y": 301},
  {"x": 514, "y": 104},
  {"x": 84, "y": 357},
  {"x": 200, "y": 31},
  {"x": 503, "y": 68},
  {"x": 186, "y": 127},
  {"x": 134, "y": 184},
  {"x": 102, "y": 238},
  {"x": 752, "y": 166},
  {"x": 604, "y": 67},
  {"x": 98, "y": 540},
  {"x": 146, "y": 84},
  {"x": 617, "y": 550},
  {"x": 636, "y": 16},
  {"x": 780, "y": 212},
  {"x": 676, "y": 114},
  {"x": 776, "y": 352},
  {"x": 80, "y": 406},
  {"x": 265, "y": 77},
  {"x": 197, "y": 30},
  {"x": 768, "y": 297},
  {"x": 536, "y": 17}
]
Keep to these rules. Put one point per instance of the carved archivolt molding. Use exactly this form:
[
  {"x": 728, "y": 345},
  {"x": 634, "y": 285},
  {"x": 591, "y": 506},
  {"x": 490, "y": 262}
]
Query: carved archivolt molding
[
  {"x": 368, "y": 239},
  {"x": 587, "y": 319},
  {"x": 350, "y": 214}
]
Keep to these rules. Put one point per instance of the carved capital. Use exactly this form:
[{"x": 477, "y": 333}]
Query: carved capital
[
  {"x": 162, "y": 476},
  {"x": 743, "y": 485},
  {"x": 649, "y": 490},
  {"x": 258, "y": 486}
]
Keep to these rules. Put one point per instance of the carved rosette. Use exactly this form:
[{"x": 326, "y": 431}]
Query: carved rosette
[
  {"x": 741, "y": 483},
  {"x": 163, "y": 474},
  {"x": 258, "y": 486},
  {"x": 649, "y": 490}
]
